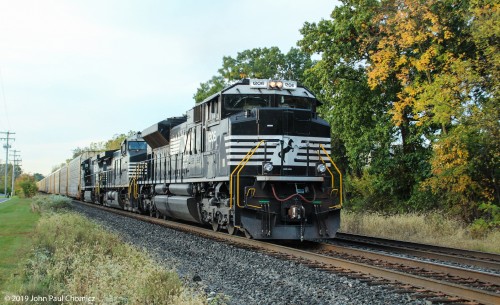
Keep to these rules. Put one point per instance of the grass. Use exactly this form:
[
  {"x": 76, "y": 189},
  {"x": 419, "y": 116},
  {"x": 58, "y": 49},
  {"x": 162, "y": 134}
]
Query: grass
[
  {"x": 74, "y": 256},
  {"x": 431, "y": 228},
  {"x": 17, "y": 224}
]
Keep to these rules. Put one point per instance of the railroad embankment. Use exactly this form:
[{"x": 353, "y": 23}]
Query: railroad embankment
[{"x": 74, "y": 261}]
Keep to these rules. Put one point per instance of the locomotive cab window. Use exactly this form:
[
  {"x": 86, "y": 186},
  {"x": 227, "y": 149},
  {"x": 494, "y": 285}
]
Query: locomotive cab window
[
  {"x": 134, "y": 145},
  {"x": 234, "y": 103},
  {"x": 287, "y": 101}
]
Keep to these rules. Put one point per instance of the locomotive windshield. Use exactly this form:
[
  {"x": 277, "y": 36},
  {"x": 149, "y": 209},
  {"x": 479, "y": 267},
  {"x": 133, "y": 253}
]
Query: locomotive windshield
[
  {"x": 294, "y": 102},
  {"x": 234, "y": 103},
  {"x": 134, "y": 145}
]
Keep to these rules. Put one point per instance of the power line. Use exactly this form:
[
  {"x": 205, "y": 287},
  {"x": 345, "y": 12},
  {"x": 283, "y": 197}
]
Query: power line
[
  {"x": 14, "y": 160},
  {"x": 7, "y": 146}
]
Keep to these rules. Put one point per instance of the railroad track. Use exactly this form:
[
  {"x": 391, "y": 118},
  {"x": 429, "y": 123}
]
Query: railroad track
[
  {"x": 466, "y": 288},
  {"x": 465, "y": 257}
]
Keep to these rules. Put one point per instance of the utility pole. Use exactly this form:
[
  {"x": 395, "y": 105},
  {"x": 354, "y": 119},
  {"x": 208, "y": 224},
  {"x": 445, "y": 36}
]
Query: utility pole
[
  {"x": 14, "y": 160},
  {"x": 6, "y": 146}
]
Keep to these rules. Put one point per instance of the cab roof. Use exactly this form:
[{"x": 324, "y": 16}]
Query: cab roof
[{"x": 244, "y": 87}]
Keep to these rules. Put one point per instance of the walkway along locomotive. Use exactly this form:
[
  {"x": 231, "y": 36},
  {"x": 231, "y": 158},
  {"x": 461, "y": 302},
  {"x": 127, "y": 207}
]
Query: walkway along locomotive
[{"x": 253, "y": 157}]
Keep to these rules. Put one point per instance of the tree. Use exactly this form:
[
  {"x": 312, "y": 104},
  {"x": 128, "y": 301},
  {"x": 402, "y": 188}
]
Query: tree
[
  {"x": 214, "y": 85},
  {"x": 444, "y": 56},
  {"x": 411, "y": 91},
  {"x": 9, "y": 177},
  {"x": 356, "y": 113},
  {"x": 27, "y": 184},
  {"x": 256, "y": 63},
  {"x": 365, "y": 138},
  {"x": 111, "y": 144},
  {"x": 38, "y": 177}
]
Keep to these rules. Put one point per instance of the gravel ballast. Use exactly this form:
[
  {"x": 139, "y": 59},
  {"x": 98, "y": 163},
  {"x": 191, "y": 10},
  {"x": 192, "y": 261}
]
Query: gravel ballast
[
  {"x": 422, "y": 259},
  {"x": 245, "y": 277}
]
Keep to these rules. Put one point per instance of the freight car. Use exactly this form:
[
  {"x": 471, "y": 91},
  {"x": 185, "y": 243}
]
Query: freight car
[
  {"x": 253, "y": 157},
  {"x": 65, "y": 180}
]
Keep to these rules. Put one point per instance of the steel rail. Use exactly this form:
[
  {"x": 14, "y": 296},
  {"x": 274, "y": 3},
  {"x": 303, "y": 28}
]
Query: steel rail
[
  {"x": 413, "y": 263},
  {"x": 461, "y": 256},
  {"x": 327, "y": 262}
]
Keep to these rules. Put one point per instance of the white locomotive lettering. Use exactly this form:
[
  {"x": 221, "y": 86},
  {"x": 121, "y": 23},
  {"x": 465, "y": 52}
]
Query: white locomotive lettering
[
  {"x": 290, "y": 85},
  {"x": 211, "y": 136}
]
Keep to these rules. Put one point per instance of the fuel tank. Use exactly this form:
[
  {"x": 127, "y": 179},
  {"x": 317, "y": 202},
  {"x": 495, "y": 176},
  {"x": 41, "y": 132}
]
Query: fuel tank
[
  {"x": 112, "y": 200},
  {"x": 178, "y": 207}
]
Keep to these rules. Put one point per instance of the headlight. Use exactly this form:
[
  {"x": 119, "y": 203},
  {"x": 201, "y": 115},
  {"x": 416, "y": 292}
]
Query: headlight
[
  {"x": 321, "y": 168},
  {"x": 275, "y": 84},
  {"x": 268, "y": 167}
]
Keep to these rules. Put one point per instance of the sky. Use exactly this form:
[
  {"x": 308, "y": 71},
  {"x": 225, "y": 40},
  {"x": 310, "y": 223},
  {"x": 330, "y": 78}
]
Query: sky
[{"x": 81, "y": 71}]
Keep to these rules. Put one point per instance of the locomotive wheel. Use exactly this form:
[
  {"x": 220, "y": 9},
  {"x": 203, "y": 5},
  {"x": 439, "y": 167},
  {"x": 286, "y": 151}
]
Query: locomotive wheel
[
  {"x": 150, "y": 212},
  {"x": 215, "y": 226},
  {"x": 157, "y": 214},
  {"x": 247, "y": 234},
  {"x": 231, "y": 229}
]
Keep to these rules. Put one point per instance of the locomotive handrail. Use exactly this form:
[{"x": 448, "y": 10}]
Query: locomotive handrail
[
  {"x": 98, "y": 185},
  {"x": 238, "y": 168},
  {"x": 133, "y": 188},
  {"x": 331, "y": 174}
]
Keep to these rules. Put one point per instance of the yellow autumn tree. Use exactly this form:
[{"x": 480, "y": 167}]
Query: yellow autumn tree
[
  {"x": 411, "y": 47},
  {"x": 444, "y": 57}
]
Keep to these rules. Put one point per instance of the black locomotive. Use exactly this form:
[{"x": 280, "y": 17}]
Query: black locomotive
[{"x": 253, "y": 157}]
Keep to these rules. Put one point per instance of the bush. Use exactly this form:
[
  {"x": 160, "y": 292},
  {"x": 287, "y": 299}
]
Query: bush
[
  {"x": 488, "y": 222},
  {"x": 26, "y": 183},
  {"x": 52, "y": 203}
]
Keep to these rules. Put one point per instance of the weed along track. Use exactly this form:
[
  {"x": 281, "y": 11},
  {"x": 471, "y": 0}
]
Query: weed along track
[{"x": 434, "y": 282}]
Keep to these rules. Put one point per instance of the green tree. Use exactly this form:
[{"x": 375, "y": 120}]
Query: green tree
[
  {"x": 38, "y": 177},
  {"x": 18, "y": 171},
  {"x": 27, "y": 184},
  {"x": 366, "y": 141},
  {"x": 111, "y": 144},
  {"x": 411, "y": 91},
  {"x": 444, "y": 56},
  {"x": 356, "y": 113},
  {"x": 206, "y": 89},
  {"x": 256, "y": 63}
]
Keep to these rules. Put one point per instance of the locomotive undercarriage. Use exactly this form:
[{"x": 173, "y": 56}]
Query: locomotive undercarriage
[
  {"x": 284, "y": 210},
  {"x": 118, "y": 197},
  {"x": 264, "y": 210}
]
